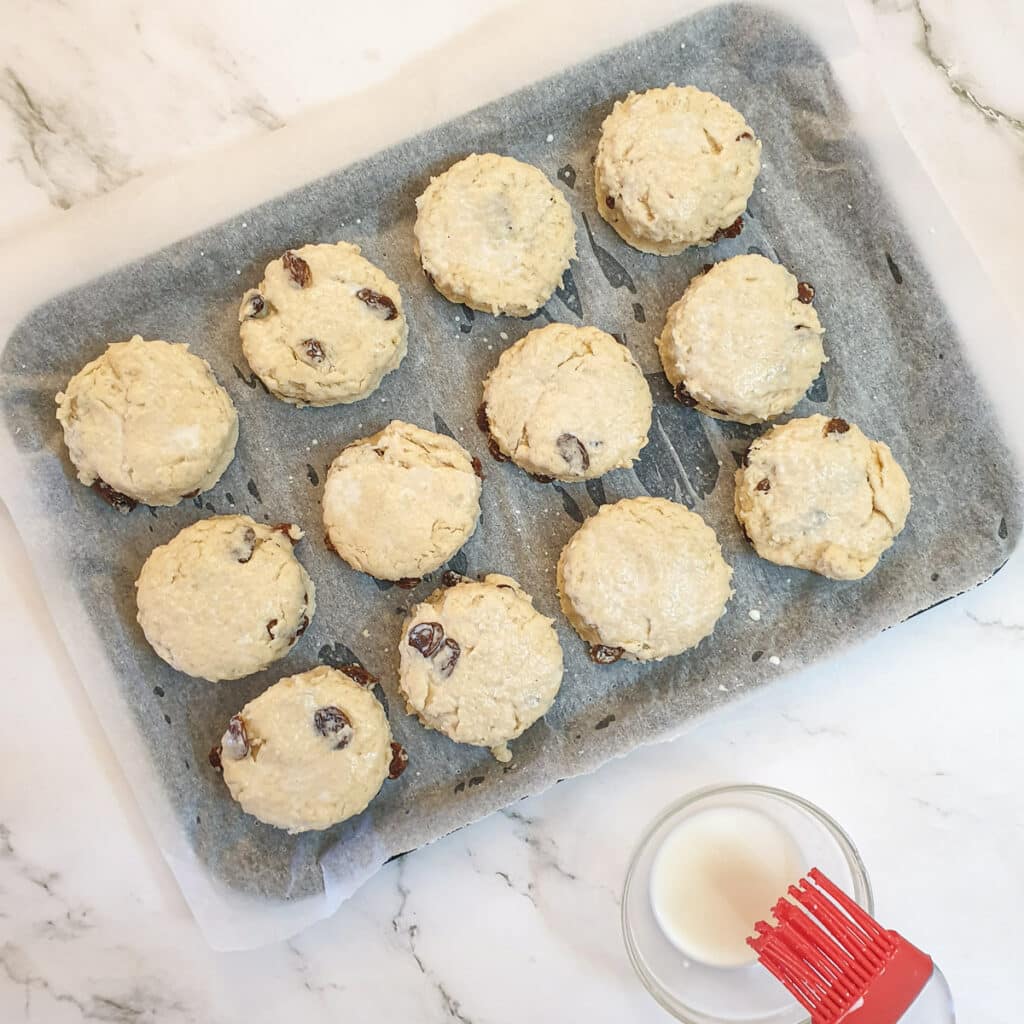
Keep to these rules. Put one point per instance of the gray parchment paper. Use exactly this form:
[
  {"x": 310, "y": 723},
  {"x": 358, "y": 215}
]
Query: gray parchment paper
[{"x": 895, "y": 368}]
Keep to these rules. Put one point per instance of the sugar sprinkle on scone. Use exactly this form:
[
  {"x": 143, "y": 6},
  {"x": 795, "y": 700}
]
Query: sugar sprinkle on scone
[
  {"x": 817, "y": 494},
  {"x": 311, "y": 751},
  {"x": 479, "y": 663},
  {"x": 674, "y": 168},
  {"x": 147, "y": 422},
  {"x": 567, "y": 403},
  {"x": 643, "y": 579},
  {"x": 401, "y": 502},
  {"x": 494, "y": 233},
  {"x": 744, "y": 342},
  {"x": 225, "y": 597},
  {"x": 324, "y": 326}
]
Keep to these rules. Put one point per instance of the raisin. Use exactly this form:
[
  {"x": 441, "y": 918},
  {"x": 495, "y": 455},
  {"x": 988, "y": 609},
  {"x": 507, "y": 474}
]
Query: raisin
[
  {"x": 684, "y": 396},
  {"x": 574, "y": 451},
  {"x": 707, "y": 266},
  {"x": 332, "y": 722},
  {"x": 399, "y": 760},
  {"x": 313, "y": 350},
  {"x": 235, "y": 742},
  {"x": 298, "y": 268},
  {"x": 478, "y": 468},
  {"x": 804, "y": 292},
  {"x": 426, "y": 637},
  {"x": 270, "y": 627},
  {"x": 609, "y": 201},
  {"x": 448, "y": 657},
  {"x": 496, "y": 453},
  {"x": 303, "y": 626},
  {"x": 541, "y": 478},
  {"x": 730, "y": 232},
  {"x": 409, "y": 582},
  {"x": 744, "y": 135},
  {"x": 286, "y": 529},
  {"x": 836, "y": 426},
  {"x": 191, "y": 494},
  {"x": 763, "y": 485},
  {"x": 359, "y": 674},
  {"x": 378, "y": 303},
  {"x": 604, "y": 655},
  {"x": 452, "y": 579},
  {"x": 248, "y": 545},
  {"x": 214, "y": 758},
  {"x": 115, "y": 499},
  {"x": 258, "y": 307},
  {"x": 482, "y": 420}
]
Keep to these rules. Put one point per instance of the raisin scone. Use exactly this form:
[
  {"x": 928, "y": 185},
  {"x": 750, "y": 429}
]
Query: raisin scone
[
  {"x": 324, "y": 326},
  {"x": 817, "y": 494},
  {"x": 744, "y": 342},
  {"x": 643, "y": 579},
  {"x": 147, "y": 422},
  {"x": 400, "y": 503},
  {"x": 674, "y": 168},
  {"x": 225, "y": 597},
  {"x": 478, "y": 662},
  {"x": 567, "y": 403},
  {"x": 495, "y": 234},
  {"x": 311, "y": 751}
]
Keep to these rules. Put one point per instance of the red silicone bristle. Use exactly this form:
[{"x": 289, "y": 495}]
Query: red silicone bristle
[{"x": 826, "y": 950}]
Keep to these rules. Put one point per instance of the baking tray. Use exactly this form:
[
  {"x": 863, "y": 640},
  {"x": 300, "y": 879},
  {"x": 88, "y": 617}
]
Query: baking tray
[{"x": 895, "y": 367}]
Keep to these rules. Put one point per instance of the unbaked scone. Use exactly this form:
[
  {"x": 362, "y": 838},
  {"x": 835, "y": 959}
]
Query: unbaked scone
[
  {"x": 324, "y": 326},
  {"x": 817, "y": 494},
  {"x": 147, "y": 422},
  {"x": 495, "y": 234},
  {"x": 674, "y": 168},
  {"x": 479, "y": 663},
  {"x": 401, "y": 502},
  {"x": 643, "y": 579},
  {"x": 225, "y": 598},
  {"x": 309, "y": 752},
  {"x": 567, "y": 403},
  {"x": 744, "y": 342}
]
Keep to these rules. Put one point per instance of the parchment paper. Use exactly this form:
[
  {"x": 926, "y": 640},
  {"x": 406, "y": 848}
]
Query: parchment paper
[{"x": 895, "y": 368}]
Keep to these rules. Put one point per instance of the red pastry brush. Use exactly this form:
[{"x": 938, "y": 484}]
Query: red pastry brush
[{"x": 842, "y": 966}]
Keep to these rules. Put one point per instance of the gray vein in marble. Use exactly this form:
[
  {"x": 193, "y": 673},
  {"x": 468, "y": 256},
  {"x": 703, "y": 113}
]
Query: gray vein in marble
[
  {"x": 49, "y": 139},
  {"x": 408, "y": 933},
  {"x": 136, "y": 1004},
  {"x": 1010, "y": 627},
  {"x": 319, "y": 988},
  {"x": 812, "y": 730},
  {"x": 545, "y": 849},
  {"x": 959, "y": 89}
]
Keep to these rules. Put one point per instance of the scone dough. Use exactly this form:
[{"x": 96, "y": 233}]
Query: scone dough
[
  {"x": 324, "y": 326},
  {"x": 495, "y": 234},
  {"x": 817, "y": 494},
  {"x": 225, "y": 597},
  {"x": 148, "y": 420},
  {"x": 744, "y": 342},
  {"x": 569, "y": 403},
  {"x": 673, "y": 167},
  {"x": 643, "y": 579},
  {"x": 311, "y": 751},
  {"x": 400, "y": 503},
  {"x": 479, "y": 663}
]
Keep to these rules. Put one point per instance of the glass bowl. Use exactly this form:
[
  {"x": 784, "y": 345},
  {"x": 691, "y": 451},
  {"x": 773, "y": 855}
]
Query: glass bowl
[{"x": 697, "y": 993}]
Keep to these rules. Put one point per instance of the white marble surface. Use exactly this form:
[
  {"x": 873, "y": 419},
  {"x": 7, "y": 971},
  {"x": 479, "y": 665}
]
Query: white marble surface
[{"x": 517, "y": 917}]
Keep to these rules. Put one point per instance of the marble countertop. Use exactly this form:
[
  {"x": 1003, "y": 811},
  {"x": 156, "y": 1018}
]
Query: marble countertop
[{"x": 516, "y": 917}]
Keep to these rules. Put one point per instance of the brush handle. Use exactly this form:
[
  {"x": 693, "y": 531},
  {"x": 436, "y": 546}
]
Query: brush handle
[{"x": 933, "y": 1005}]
